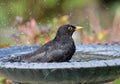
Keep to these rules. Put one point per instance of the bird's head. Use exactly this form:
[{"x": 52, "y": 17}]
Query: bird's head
[{"x": 67, "y": 30}]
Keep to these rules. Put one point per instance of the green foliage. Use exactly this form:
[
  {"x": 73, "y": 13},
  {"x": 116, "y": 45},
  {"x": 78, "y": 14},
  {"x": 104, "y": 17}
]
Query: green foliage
[
  {"x": 70, "y": 4},
  {"x": 3, "y": 18},
  {"x": 18, "y": 7},
  {"x": 2, "y": 80},
  {"x": 6, "y": 40},
  {"x": 50, "y": 3},
  {"x": 41, "y": 10},
  {"x": 117, "y": 81},
  {"x": 115, "y": 7}
]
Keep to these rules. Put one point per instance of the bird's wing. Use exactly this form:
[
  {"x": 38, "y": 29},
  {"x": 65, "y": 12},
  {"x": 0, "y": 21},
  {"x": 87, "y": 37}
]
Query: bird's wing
[
  {"x": 56, "y": 55},
  {"x": 48, "y": 53},
  {"x": 39, "y": 55},
  {"x": 33, "y": 56}
]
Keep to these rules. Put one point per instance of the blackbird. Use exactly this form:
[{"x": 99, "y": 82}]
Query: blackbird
[{"x": 60, "y": 49}]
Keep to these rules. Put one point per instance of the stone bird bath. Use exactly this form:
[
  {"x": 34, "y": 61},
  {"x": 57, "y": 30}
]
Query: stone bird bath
[{"x": 92, "y": 63}]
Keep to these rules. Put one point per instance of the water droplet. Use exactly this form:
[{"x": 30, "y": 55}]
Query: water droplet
[{"x": 12, "y": 55}]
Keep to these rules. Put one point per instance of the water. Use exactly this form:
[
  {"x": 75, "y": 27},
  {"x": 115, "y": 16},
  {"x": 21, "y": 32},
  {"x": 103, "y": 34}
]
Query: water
[{"x": 84, "y": 52}]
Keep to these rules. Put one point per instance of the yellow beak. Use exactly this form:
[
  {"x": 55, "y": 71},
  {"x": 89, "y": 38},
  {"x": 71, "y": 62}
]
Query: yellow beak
[{"x": 78, "y": 28}]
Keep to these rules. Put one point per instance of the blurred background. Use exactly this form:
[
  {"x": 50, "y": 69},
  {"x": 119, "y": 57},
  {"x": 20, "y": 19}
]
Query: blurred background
[
  {"x": 24, "y": 22},
  {"x": 31, "y": 22}
]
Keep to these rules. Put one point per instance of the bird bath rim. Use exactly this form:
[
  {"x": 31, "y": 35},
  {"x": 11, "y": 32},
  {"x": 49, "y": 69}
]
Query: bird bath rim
[
  {"x": 61, "y": 65},
  {"x": 78, "y": 72}
]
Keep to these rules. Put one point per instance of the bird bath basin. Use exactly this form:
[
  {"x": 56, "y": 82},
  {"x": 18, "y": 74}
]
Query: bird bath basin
[{"x": 91, "y": 63}]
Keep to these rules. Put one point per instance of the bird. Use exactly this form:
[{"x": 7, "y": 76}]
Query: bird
[{"x": 60, "y": 49}]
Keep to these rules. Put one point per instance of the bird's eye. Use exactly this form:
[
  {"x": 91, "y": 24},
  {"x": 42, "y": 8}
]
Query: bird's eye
[{"x": 70, "y": 28}]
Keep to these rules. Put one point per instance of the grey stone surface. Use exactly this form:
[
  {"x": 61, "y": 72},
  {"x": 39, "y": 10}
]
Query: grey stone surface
[{"x": 91, "y": 63}]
